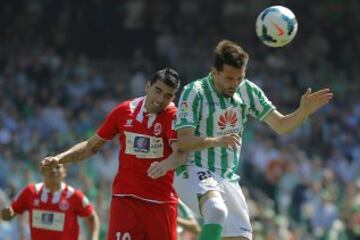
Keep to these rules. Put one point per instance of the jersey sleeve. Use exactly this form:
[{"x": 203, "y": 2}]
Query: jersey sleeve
[
  {"x": 22, "y": 200},
  {"x": 83, "y": 207},
  {"x": 109, "y": 128},
  {"x": 188, "y": 114},
  {"x": 260, "y": 105},
  {"x": 170, "y": 125}
]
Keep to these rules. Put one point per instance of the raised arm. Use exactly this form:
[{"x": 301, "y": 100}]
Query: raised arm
[
  {"x": 78, "y": 152},
  {"x": 310, "y": 103}
]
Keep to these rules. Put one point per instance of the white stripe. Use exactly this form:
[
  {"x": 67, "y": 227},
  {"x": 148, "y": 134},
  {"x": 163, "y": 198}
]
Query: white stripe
[
  {"x": 140, "y": 115},
  {"x": 38, "y": 187},
  {"x": 258, "y": 105},
  {"x": 151, "y": 119},
  {"x": 102, "y": 138},
  {"x": 246, "y": 99},
  {"x": 57, "y": 194},
  {"x": 44, "y": 195},
  {"x": 70, "y": 191},
  {"x": 132, "y": 195},
  {"x": 133, "y": 104}
]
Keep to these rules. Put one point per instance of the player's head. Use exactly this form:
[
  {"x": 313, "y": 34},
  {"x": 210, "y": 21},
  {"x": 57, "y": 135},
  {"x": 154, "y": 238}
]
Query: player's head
[
  {"x": 161, "y": 89},
  {"x": 53, "y": 174},
  {"x": 229, "y": 67}
]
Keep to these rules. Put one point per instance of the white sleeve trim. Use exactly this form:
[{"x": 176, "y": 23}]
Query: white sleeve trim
[{"x": 108, "y": 140}]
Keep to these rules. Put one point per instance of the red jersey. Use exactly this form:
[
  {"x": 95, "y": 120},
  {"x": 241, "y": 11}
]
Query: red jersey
[
  {"x": 53, "y": 216},
  {"x": 144, "y": 138}
]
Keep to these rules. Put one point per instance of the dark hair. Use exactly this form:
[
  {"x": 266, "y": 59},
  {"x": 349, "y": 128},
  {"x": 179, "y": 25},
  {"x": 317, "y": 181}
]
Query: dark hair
[
  {"x": 168, "y": 75},
  {"x": 229, "y": 53}
]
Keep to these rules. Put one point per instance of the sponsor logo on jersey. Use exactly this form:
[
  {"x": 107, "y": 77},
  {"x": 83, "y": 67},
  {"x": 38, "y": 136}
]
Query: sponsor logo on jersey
[
  {"x": 47, "y": 218},
  {"x": 157, "y": 128},
  {"x": 228, "y": 118},
  {"x": 142, "y": 144}
]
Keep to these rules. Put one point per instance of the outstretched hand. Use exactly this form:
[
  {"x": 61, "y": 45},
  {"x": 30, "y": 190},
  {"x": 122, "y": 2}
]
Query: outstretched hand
[
  {"x": 231, "y": 141},
  {"x": 49, "y": 161},
  {"x": 312, "y": 101}
]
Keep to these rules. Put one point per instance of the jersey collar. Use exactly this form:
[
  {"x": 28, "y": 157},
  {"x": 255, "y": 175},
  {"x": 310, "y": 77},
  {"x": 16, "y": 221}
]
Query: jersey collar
[{"x": 143, "y": 111}]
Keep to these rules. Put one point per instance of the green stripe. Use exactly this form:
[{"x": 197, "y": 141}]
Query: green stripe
[
  {"x": 251, "y": 98},
  {"x": 179, "y": 170},
  {"x": 224, "y": 154},
  {"x": 187, "y": 91},
  {"x": 266, "y": 111},
  {"x": 243, "y": 111},
  {"x": 184, "y": 98},
  {"x": 235, "y": 167},
  {"x": 210, "y": 126},
  {"x": 195, "y": 106},
  {"x": 182, "y": 211}
]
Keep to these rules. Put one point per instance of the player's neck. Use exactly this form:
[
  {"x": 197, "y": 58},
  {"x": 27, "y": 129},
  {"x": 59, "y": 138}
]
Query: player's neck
[{"x": 53, "y": 187}]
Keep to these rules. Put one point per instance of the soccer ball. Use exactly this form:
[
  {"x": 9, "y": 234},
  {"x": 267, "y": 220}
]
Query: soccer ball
[{"x": 276, "y": 26}]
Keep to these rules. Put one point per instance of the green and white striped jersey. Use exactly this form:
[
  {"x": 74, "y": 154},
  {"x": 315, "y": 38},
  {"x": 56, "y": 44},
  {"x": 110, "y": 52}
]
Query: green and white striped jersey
[{"x": 211, "y": 114}]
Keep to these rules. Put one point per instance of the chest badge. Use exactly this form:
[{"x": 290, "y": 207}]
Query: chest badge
[
  {"x": 157, "y": 128},
  {"x": 64, "y": 205}
]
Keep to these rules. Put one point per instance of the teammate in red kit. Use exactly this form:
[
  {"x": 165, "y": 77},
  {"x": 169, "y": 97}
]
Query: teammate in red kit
[
  {"x": 54, "y": 207},
  {"x": 141, "y": 207}
]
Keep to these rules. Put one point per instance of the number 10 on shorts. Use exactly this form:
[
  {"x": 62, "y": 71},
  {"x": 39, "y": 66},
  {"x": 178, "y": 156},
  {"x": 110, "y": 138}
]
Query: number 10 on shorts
[{"x": 123, "y": 236}]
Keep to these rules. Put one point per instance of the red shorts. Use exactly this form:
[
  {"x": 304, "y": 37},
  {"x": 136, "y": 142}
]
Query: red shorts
[{"x": 136, "y": 219}]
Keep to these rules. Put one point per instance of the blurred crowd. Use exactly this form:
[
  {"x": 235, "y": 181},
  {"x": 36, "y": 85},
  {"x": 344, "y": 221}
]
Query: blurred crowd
[{"x": 65, "y": 64}]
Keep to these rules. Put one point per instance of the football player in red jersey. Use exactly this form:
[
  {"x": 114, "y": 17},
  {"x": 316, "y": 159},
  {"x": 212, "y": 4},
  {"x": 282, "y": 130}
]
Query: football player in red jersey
[
  {"x": 54, "y": 207},
  {"x": 141, "y": 207}
]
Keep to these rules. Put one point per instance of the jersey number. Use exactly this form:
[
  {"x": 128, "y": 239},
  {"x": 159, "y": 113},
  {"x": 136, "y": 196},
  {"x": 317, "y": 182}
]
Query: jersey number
[
  {"x": 124, "y": 236},
  {"x": 204, "y": 175}
]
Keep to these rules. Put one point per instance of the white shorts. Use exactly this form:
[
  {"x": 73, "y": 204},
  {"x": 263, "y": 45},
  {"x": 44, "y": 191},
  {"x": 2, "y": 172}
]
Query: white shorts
[{"x": 193, "y": 183}]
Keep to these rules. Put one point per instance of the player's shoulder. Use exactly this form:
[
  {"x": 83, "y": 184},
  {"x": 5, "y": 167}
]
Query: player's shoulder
[
  {"x": 34, "y": 187},
  {"x": 72, "y": 192},
  {"x": 77, "y": 196},
  {"x": 127, "y": 105},
  {"x": 196, "y": 85},
  {"x": 249, "y": 84},
  {"x": 171, "y": 108}
]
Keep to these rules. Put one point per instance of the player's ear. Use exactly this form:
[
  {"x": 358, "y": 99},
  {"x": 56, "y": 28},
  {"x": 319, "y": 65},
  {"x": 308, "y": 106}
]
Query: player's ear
[{"x": 214, "y": 71}]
